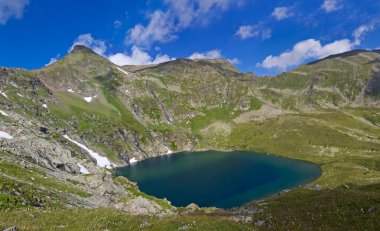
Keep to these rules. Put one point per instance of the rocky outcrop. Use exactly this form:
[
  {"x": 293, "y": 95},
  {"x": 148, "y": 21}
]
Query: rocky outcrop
[
  {"x": 142, "y": 206},
  {"x": 38, "y": 149}
]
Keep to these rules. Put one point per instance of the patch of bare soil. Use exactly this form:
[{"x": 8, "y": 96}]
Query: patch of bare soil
[{"x": 265, "y": 112}]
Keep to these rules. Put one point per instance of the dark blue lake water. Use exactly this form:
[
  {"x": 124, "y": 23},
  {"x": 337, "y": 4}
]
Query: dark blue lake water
[{"x": 220, "y": 179}]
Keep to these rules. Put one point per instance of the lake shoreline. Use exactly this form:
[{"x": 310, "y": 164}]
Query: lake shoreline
[
  {"x": 301, "y": 170},
  {"x": 230, "y": 150}
]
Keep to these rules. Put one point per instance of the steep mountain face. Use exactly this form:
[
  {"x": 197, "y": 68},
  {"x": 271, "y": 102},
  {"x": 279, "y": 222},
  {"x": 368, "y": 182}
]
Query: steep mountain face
[
  {"x": 75, "y": 118},
  {"x": 351, "y": 78},
  {"x": 24, "y": 98},
  {"x": 76, "y": 71},
  {"x": 100, "y": 102},
  {"x": 39, "y": 167},
  {"x": 188, "y": 88}
]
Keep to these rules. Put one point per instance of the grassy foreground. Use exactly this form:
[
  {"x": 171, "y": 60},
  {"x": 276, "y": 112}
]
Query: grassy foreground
[
  {"x": 110, "y": 219},
  {"x": 348, "y": 207}
]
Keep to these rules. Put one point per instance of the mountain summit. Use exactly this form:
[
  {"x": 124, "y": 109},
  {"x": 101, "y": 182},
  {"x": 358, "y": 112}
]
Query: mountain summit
[{"x": 81, "y": 49}]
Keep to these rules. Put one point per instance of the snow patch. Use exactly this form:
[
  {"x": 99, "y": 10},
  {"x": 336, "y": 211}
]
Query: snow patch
[
  {"x": 90, "y": 98},
  {"x": 3, "y": 94},
  {"x": 5, "y": 135},
  {"x": 83, "y": 169},
  {"x": 133, "y": 160},
  {"x": 3, "y": 113},
  {"x": 14, "y": 85},
  {"x": 123, "y": 71},
  {"x": 70, "y": 90},
  {"x": 169, "y": 119},
  {"x": 168, "y": 151},
  {"x": 19, "y": 94},
  {"x": 44, "y": 105},
  {"x": 100, "y": 160}
]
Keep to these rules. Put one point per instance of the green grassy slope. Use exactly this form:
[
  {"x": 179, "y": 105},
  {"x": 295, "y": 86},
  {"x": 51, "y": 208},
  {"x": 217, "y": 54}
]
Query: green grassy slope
[
  {"x": 346, "y": 146},
  {"x": 343, "y": 208},
  {"x": 325, "y": 112},
  {"x": 111, "y": 219}
]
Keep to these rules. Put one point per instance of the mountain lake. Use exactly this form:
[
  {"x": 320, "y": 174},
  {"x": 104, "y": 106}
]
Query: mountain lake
[{"x": 218, "y": 179}]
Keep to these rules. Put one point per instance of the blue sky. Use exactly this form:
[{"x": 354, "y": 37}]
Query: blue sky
[{"x": 265, "y": 37}]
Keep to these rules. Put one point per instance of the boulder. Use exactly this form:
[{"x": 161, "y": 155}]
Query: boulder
[
  {"x": 14, "y": 228},
  {"x": 192, "y": 207},
  {"x": 140, "y": 206}
]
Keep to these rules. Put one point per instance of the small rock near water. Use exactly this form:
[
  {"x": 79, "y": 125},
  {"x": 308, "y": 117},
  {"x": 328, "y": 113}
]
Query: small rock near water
[
  {"x": 185, "y": 227},
  {"x": 260, "y": 223},
  {"x": 373, "y": 209},
  {"x": 192, "y": 206},
  {"x": 316, "y": 187},
  {"x": 14, "y": 228}
]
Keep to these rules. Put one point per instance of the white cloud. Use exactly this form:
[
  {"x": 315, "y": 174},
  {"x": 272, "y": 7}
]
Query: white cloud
[
  {"x": 266, "y": 33},
  {"x": 137, "y": 57},
  {"x": 312, "y": 49},
  {"x": 199, "y": 11},
  {"x": 234, "y": 61},
  {"x": 98, "y": 46},
  {"x": 336, "y": 47},
  {"x": 360, "y": 32},
  {"x": 162, "y": 58},
  {"x": 181, "y": 14},
  {"x": 245, "y": 32},
  {"x": 282, "y": 12},
  {"x": 161, "y": 28},
  {"x": 304, "y": 51},
  {"x": 11, "y": 9},
  {"x": 330, "y": 6},
  {"x": 53, "y": 60},
  {"x": 213, "y": 54}
]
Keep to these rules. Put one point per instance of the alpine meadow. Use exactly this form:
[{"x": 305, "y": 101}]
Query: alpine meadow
[{"x": 132, "y": 133}]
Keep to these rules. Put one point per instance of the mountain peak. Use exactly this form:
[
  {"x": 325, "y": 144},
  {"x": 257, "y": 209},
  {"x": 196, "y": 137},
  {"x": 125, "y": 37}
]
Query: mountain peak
[
  {"x": 78, "y": 69},
  {"x": 219, "y": 63},
  {"x": 346, "y": 54},
  {"x": 81, "y": 49}
]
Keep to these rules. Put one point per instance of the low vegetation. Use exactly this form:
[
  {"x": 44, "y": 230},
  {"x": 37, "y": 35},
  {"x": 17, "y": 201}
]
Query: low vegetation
[
  {"x": 348, "y": 207},
  {"x": 111, "y": 219}
]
